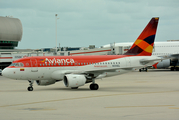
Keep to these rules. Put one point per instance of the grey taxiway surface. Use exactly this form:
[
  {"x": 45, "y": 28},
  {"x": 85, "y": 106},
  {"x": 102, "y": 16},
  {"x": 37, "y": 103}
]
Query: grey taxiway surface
[{"x": 135, "y": 95}]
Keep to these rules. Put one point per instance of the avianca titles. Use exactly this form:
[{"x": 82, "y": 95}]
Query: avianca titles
[{"x": 75, "y": 71}]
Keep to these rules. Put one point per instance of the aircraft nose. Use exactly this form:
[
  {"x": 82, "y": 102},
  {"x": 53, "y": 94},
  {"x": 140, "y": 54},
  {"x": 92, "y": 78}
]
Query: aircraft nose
[{"x": 5, "y": 72}]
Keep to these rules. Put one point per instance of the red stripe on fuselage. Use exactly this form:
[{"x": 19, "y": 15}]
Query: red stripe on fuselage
[{"x": 54, "y": 61}]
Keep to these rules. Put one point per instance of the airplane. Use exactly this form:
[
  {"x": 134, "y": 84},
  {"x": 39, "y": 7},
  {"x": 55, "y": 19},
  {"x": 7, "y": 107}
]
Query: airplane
[
  {"x": 76, "y": 71},
  {"x": 167, "y": 49}
]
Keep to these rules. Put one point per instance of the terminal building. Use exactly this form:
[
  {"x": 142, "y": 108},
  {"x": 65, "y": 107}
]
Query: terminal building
[
  {"x": 10, "y": 32},
  {"x": 10, "y": 35}
]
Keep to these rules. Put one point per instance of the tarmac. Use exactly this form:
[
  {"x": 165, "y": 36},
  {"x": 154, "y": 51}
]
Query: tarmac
[{"x": 136, "y": 95}]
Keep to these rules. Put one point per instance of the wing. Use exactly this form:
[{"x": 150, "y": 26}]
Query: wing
[
  {"x": 151, "y": 61},
  {"x": 100, "y": 73}
]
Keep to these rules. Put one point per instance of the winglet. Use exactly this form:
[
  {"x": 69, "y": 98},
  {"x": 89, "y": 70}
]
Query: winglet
[{"x": 143, "y": 46}]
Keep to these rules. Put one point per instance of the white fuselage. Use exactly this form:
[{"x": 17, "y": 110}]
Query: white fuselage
[{"x": 51, "y": 72}]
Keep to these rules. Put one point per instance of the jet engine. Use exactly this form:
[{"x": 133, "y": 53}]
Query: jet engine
[
  {"x": 45, "y": 82},
  {"x": 164, "y": 64},
  {"x": 74, "y": 80}
]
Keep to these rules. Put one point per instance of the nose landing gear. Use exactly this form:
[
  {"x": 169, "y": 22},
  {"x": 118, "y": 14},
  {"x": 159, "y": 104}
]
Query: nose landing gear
[{"x": 30, "y": 88}]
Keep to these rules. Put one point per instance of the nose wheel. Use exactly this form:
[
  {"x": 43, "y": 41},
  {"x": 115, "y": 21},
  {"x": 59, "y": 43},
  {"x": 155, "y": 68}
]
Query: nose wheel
[{"x": 30, "y": 88}]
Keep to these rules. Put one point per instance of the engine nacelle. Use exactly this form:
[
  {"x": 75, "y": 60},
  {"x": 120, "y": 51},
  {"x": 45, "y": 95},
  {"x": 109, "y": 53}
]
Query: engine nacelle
[
  {"x": 164, "y": 63},
  {"x": 45, "y": 82},
  {"x": 74, "y": 80}
]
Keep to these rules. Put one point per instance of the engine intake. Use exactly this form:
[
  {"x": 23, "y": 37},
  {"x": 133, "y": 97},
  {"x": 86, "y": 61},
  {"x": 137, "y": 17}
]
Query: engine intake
[{"x": 74, "y": 80}]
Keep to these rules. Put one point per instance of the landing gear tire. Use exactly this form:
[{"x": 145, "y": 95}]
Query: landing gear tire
[
  {"x": 172, "y": 68},
  {"x": 143, "y": 69},
  {"x": 94, "y": 86},
  {"x": 177, "y": 68},
  {"x": 30, "y": 88}
]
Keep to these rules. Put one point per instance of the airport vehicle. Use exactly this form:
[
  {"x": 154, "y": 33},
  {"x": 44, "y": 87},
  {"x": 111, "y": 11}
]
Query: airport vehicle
[{"x": 76, "y": 71}]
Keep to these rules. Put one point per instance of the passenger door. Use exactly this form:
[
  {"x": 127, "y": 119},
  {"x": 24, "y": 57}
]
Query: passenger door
[{"x": 34, "y": 66}]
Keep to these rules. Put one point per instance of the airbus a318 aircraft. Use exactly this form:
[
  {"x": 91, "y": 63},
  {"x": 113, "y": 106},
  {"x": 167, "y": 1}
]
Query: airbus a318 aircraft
[{"x": 76, "y": 71}]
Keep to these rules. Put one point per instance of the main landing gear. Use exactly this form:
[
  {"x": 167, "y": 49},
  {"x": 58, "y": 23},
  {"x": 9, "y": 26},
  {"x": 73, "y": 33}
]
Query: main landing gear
[
  {"x": 174, "y": 68},
  {"x": 143, "y": 69},
  {"x": 30, "y": 88},
  {"x": 94, "y": 86}
]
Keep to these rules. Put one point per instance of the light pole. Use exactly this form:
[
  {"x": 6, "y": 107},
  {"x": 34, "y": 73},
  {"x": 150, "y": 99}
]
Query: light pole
[{"x": 56, "y": 30}]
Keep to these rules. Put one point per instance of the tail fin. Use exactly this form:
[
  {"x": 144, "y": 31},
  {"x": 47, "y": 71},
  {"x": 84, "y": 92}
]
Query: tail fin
[{"x": 143, "y": 46}]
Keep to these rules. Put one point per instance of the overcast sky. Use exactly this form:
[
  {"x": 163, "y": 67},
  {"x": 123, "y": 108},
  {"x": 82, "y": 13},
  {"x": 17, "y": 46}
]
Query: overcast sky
[{"x": 90, "y": 22}]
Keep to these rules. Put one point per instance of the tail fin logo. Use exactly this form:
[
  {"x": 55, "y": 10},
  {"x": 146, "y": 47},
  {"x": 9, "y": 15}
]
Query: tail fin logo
[{"x": 143, "y": 46}]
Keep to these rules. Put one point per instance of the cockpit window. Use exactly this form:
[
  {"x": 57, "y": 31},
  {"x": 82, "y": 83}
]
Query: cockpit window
[{"x": 17, "y": 64}]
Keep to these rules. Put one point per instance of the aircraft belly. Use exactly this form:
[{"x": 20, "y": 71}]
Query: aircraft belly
[{"x": 118, "y": 72}]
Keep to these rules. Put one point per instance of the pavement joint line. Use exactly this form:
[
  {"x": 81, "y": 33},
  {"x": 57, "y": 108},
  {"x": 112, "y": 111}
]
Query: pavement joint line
[
  {"x": 141, "y": 106},
  {"x": 97, "y": 96}
]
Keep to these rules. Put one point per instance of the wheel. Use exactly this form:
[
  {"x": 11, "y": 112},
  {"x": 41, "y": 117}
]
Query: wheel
[
  {"x": 94, "y": 86},
  {"x": 140, "y": 70},
  {"x": 172, "y": 68},
  {"x": 177, "y": 68},
  {"x": 146, "y": 70},
  {"x": 30, "y": 88}
]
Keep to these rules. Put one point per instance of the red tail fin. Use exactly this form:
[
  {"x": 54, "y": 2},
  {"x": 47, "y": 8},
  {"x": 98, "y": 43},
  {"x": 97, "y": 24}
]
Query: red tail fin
[{"x": 143, "y": 46}]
